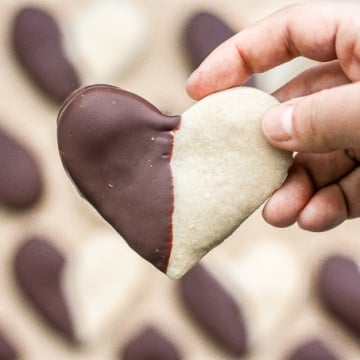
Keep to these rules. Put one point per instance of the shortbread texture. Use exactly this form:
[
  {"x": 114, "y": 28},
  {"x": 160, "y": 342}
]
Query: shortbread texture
[{"x": 223, "y": 170}]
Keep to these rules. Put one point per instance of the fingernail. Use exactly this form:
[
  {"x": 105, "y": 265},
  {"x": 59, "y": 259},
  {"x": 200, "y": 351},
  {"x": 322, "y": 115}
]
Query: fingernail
[{"x": 277, "y": 122}]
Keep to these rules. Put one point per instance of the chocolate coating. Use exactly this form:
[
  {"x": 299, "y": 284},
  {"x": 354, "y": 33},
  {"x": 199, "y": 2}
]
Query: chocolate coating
[
  {"x": 7, "y": 350},
  {"x": 214, "y": 309},
  {"x": 339, "y": 289},
  {"x": 150, "y": 344},
  {"x": 117, "y": 148},
  {"x": 20, "y": 179},
  {"x": 38, "y": 45},
  {"x": 312, "y": 350},
  {"x": 38, "y": 267}
]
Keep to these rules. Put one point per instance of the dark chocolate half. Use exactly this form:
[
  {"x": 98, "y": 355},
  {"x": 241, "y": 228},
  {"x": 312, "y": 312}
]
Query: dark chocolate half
[
  {"x": 21, "y": 182},
  {"x": 117, "y": 149},
  {"x": 7, "y": 350},
  {"x": 339, "y": 289},
  {"x": 312, "y": 350},
  {"x": 38, "y": 46},
  {"x": 38, "y": 269},
  {"x": 214, "y": 309},
  {"x": 150, "y": 344}
]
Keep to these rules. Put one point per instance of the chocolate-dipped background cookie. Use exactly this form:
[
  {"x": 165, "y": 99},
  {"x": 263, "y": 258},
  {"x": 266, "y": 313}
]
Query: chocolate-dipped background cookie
[{"x": 38, "y": 46}]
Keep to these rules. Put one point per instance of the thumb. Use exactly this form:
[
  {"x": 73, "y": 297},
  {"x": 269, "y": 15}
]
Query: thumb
[{"x": 321, "y": 122}]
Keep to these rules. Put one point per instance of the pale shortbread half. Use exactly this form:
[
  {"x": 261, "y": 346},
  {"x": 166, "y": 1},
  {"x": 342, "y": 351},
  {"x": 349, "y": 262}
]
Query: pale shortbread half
[{"x": 223, "y": 170}]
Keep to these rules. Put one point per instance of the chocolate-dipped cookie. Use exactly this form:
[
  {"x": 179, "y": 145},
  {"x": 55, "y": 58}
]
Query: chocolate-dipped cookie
[
  {"x": 214, "y": 308},
  {"x": 38, "y": 45},
  {"x": 339, "y": 290},
  {"x": 101, "y": 282},
  {"x": 38, "y": 267},
  {"x": 149, "y": 344},
  {"x": 203, "y": 32},
  {"x": 7, "y": 350},
  {"x": 95, "y": 28},
  {"x": 21, "y": 183},
  {"x": 242, "y": 302},
  {"x": 82, "y": 293},
  {"x": 312, "y": 350},
  {"x": 173, "y": 186}
]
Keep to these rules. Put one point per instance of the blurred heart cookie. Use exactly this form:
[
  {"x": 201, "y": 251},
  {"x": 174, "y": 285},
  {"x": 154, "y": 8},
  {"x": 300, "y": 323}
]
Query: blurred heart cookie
[
  {"x": 99, "y": 43},
  {"x": 106, "y": 38},
  {"x": 149, "y": 343},
  {"x": 312, "y": 349},
  {"x": 39, "y": 48},
  {"x": 203, "y": 32},
  {"x": 243, "y": 303},
  {"x": 83, "y": 293},
  {"x": 21, "y": 179},
  {"x": 339, "y": 289},
  {"x": 173, "y": 186}
]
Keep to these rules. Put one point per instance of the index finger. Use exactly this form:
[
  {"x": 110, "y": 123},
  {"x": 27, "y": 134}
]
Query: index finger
[{"x": 308, "y": 30}]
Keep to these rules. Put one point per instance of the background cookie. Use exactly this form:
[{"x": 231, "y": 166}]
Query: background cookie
[
  {"x": 38, "y": 45},
  {"x": 227, "y": 298},
  {"x": 314, "y": 349},
  {"x": 21, "y": 181},
  {"x": 7, "y": 350},
  {"x": 80, "y": 294},
  {"x": 149, "y": 344},
  {"x": 215, "y": 309},
  {"x": 101, "y": 281},
  {"x": 38, "y": 268},
  {"x": 339, "y": 286},
  {"x": 106, "y": 39},
  {"x": 99, "y": 42},
  {"x": 203, "y": 32}
]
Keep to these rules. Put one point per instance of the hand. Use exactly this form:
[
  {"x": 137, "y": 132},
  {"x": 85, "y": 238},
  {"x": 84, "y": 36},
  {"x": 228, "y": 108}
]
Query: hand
[{"x": 319, "y": 114}]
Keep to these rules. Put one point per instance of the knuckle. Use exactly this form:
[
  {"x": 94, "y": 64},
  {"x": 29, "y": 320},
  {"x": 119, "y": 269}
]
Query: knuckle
[{"x": 349, "y": 186}]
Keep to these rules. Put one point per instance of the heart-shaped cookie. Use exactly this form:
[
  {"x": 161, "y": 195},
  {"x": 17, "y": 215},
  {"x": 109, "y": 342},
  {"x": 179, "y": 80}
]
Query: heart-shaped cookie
[
  {"x": 7, "y": 349},
  {"x": 339, "y": 289},
  {"x": 242, "y": 302},
  {"x": 60, "y": 56},
  {"x": 314, "y": 349},
  {"x": 173, "y": 186},
  {"x": 215, "y": 309},
  {"x": 83, "y": 293},
  {"x": 38, "y": 45},
  {"x": 203, "y": 32},
  {"x": 91, "y": 36},
  {"x": 21, "y": 181},
  {"x": 38, "y": 266},
  {"x": 150, "y": 343},
  {"x": 101, "y": 282}
]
